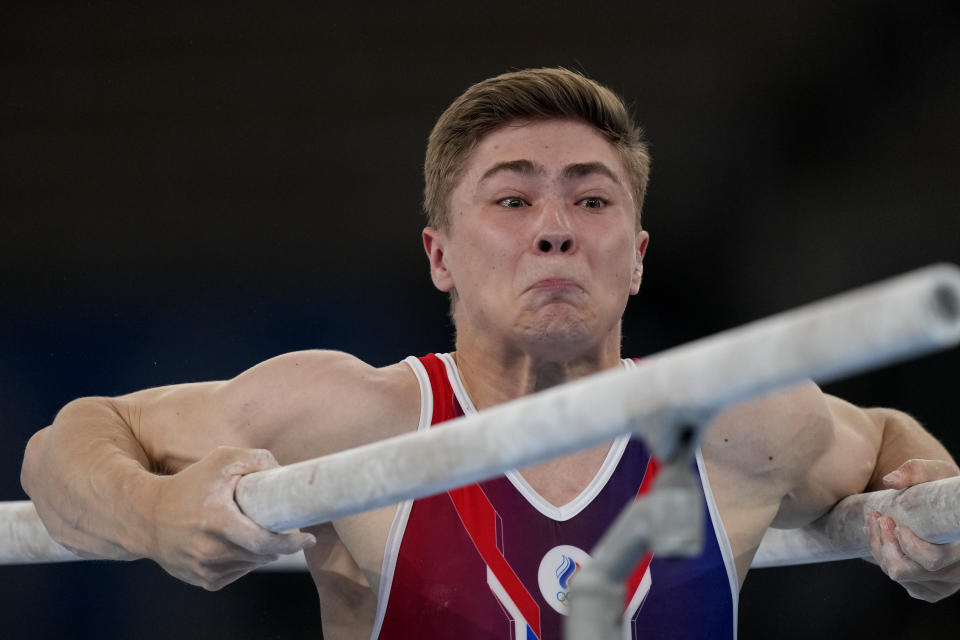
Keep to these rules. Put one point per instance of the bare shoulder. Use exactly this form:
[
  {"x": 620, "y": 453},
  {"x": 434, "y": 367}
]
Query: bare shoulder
[
  {"x": 782, "y": 460},
  {"x": 331, "y": 401},
  {"x": 798, "y": 449},
  {"x": 329, "y": 373},
  {"x": 774, "y": 437},
  {"x": 298, "y": 405}
]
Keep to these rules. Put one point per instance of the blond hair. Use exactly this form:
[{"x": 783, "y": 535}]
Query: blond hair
[{"x": 531, "y": 94}]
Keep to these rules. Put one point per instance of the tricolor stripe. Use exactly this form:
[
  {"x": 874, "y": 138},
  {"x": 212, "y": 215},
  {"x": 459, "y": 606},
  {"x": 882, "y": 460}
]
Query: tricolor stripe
[
  {"x": 636, "y": 576},
  {"x": 479, "y": 518}
]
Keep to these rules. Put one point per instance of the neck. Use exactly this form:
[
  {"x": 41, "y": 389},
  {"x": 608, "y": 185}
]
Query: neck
[{"x": 493, "y": 374}]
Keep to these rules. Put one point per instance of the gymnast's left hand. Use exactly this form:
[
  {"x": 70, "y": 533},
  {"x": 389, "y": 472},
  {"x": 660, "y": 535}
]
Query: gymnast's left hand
[{"x": 927, "y": 571}]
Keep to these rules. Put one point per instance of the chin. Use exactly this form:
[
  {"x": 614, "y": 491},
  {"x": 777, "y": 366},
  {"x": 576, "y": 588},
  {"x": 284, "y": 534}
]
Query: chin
[{"x": 561, "y": 337}]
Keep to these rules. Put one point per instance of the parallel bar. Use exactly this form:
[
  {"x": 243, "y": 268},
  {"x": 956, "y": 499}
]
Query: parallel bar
[
  {"x": 870, "y": 327},
  {"x": 867, "y": 328},
  {"x": 667, "y": 521},
  {"x": 24, "y": 539},
  {"x": 932, "y": 509}
]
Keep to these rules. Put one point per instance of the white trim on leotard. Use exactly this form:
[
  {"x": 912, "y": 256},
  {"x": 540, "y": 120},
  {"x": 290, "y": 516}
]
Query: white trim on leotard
[
  {"x": 398, "y": 526},
  {"x": 538, "y": 502},
  {"x": 395, "y": 536},
  {"x": 726, "y": 550}
]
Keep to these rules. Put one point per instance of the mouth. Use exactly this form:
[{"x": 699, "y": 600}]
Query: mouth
[{"x": 555, "y": 284}]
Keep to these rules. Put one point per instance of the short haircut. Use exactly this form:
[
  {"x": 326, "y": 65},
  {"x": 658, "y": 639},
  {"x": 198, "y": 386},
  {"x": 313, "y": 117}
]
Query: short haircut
[{"x": 527, "y": 95}]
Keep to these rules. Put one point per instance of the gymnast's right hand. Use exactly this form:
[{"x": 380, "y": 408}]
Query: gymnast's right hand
[
  {"x": 95, "y": 476},
  {"x": 201, "y": 536}
]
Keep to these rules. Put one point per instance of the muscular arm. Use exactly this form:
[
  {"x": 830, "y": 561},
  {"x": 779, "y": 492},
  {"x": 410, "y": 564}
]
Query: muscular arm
[
  {"x": 786, "y": 459},
  {"x": 905, "y": 455},
  {"x": 904, "y": 440},
  {"x": 865, "y": 447},
  {"x": 146, "y": 475}
]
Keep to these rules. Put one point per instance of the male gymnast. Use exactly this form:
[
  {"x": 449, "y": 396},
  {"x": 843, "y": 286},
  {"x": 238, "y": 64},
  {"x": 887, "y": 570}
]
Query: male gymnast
[{"x": 535, "y": 182}]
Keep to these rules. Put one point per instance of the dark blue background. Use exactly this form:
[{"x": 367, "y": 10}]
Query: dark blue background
[{"x": 184, "y": 193}]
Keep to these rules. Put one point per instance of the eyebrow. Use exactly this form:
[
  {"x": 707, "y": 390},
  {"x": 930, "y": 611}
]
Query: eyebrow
[
  {"x": 581, "y": 169},
  {"x": 571, "y": 171},
  {"x": 522, "y": 167}
]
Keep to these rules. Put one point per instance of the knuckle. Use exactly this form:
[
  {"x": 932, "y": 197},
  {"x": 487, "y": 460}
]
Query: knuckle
[
  {"x": 192, "y": 572},
  {"x": 911, "y": 467},
  {"x": 236, "y": 461},
  {"x": 898, "y": 573},
  {"x": 256, "y": 459},
  {"x": 930, "y": 562},
  {"x": 221, "y": 452},
  {"x": 936, "y": 597},
  {"x": 945, "y": 561},
  {"x": 206, "y": 549},
  {"x": 909, "y": 548},
  {"x": 261, "y": 547},
  {"x": 913, "y": 593},
  {"x": 212, "y": 584},
  {"x": 260, "y": 453},
  {"x": 265, "y": 456},
  {"x": 207, "y": 577},
  {"x": 283, "y": 547},
  {"x": 183, "y": 575}
]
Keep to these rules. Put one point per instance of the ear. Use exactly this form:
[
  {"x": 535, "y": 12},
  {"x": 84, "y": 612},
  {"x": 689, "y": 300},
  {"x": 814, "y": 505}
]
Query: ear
[
  {"x": 434, "y": 243},
  {"x": 643, "y": 240}
]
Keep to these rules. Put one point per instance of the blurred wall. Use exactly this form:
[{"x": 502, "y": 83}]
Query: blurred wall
[{"x": 184, "y": 193}]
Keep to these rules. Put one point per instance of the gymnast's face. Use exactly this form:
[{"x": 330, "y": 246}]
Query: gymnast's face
[{"x": 542, "y": 248}]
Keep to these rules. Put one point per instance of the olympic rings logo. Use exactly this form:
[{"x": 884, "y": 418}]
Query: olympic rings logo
[{"x": 556, "y": 573}]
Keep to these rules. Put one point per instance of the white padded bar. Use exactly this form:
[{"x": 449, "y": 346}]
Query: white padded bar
[
  {"x": 869, "y": 327},
  {"x": 906, "y": 316},
  {"x": 932, "y": 509},
  {"x": 23, "y": 538}
]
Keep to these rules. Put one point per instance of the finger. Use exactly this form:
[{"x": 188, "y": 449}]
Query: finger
[
  {"x": 221, "y": 581},
  {"x": 278, "y": 543},
  {"x": 237, "y": 561},
  {"x": 249, "y": 535},
  {"x": 871, "y": 530},
  {"x": 932, "y": 557},
  {"x": 939, "y": 589},
  {"x": 930, "y": 591},
  {"x": 890, "y": 556},
  {"x": 214, "y": 570},
  {"x": 915, "y": 471},
  {"x": 238, "y": 462},
  {"x": 236, "y": 528},
  {"x": 211, "y": 580}
]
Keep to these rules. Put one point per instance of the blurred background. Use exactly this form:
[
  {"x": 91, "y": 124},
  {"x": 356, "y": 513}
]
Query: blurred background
[{"x": 186, "y": 192}]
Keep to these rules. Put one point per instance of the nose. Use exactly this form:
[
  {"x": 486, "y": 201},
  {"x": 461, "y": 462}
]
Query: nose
[
  {"x": 554, "y": 243},
  {"x": 554, "y": 234}
]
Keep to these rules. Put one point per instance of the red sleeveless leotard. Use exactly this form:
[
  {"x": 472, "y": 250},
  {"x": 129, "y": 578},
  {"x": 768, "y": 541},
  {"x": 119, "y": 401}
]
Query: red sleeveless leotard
[{"x": 494, "y": 560}]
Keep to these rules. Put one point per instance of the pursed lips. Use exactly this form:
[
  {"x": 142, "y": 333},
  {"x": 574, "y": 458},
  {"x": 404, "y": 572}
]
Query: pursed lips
[{"x": 555, "y": 284}]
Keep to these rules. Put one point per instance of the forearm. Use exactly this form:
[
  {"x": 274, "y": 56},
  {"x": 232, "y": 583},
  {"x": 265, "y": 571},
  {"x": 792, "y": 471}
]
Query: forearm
[
  {"x": 903, "y": 439},
  {"x": 91, "y": 481}
]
